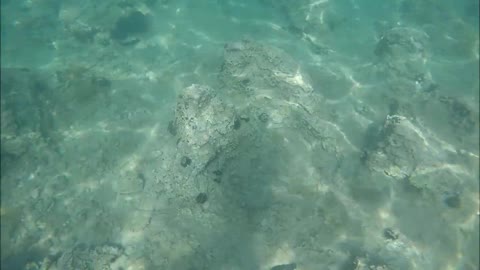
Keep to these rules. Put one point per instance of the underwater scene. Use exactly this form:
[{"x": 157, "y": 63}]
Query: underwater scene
[{"x": 240, "y": 135}]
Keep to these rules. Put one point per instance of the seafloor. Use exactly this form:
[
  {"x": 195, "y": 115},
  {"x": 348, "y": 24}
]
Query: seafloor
[{"x": 239, "y": 135}]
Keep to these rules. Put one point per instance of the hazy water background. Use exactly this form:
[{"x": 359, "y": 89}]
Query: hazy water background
[{"x": 88, "y": 159}]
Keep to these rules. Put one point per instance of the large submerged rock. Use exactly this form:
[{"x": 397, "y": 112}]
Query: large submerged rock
[
  {"x": 405, "y": 150},
  {"x": 205, "y": 127},
  {"x": 403, "y": 54},
  {"x": 266, "y": 84},
  {"x": 251, "y": 68}
]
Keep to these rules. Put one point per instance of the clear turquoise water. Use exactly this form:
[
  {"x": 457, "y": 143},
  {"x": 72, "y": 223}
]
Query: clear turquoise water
[{"x": 343, "y": 134}]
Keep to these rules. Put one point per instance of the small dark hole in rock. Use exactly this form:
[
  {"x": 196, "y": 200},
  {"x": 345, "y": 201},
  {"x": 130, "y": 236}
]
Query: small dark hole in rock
[
  {"x": 237, "y": 124},
  {"x": 246, "y": 81},
  {"x": 453, "y": 201},
  {"x": 263, "y": 117},
  {"x": 102, "y": 82},
  {"x": 389, "y": 233},
  {"x": 245, "y": 118},
  {"x": 290, "y": 266},
  {"x": 201, "y": 198},
  {"x": 432, "y": 87},
  {"x": 129, "y": 41},
  {"x": 185, "y": 161},
  {"x": 150, "y": 3},
  {"x": 172, "y": 128},
  {"x": 134, "y": 23},
  {"x": 40, "y": 86},
  {"x": 394, "y": 107}
]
